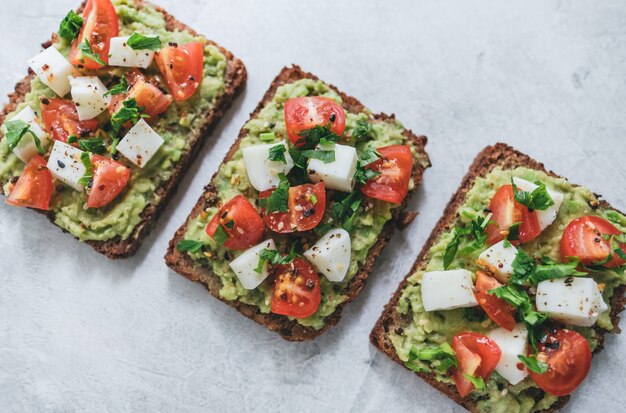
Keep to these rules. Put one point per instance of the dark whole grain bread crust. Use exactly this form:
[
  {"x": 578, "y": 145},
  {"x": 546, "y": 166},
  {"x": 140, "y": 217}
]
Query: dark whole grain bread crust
[
  {"x": 291, "y": 330},
  {"x": 491, "y": 157},
  {"x": 234, "y": 79}
]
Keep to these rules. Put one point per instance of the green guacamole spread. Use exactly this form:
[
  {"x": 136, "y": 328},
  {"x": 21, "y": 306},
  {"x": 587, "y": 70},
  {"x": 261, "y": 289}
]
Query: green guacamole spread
[
  {"x": 175, "y": 126},
  {"x": 437, "y": 327},
  {"x": 232, "y": 180}
]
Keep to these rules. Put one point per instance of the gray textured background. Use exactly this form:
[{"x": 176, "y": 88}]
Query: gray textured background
[{"x": 81, "y": 333}]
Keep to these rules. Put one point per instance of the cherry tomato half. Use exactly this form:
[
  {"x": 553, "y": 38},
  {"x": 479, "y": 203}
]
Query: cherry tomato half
[
  {"x": 477, "y": 356},
  {"x": 305, "y": 113},
  {"x": 182, "y": 68},
  {"x": 100, "y": 25},
  {"x": 297, "y": 291},
  {"x": 583, "y": 238},
  {"x": 395, "y": 168},
  {"x": 148, "y": 96},
  {"x": 60, "y": 119},
  {"x": 501, "y": 312},
  {"x": 306, "y": 206},
  {"x": 506, "y": 212},
  {"x": 241, "y": 221},
  {"x": 109, "y": 180},
  {"x": 34, "y": 187}
]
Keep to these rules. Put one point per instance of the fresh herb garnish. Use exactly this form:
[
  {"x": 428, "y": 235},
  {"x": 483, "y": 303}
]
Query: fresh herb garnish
[
  {"x": 128, "y": 112},
  {"x": 345, "y": 207},
  {"x": 86, "y": 50},
  {"x": 310, "y": 138},
  {"x": 529, "y": 273},
  {"x": 274, "y": 257},
  {"x": 473, "y": 234},
  {"x": 86, "y": 179},
  {"x": 119, "y": 88},
  {"x": 363, "y": 174},
  {"x": 513, "y": 234},
  {"x": 440, "y": 358},
  {"x": 220, "y": 236},
  {"x": 94, "y": 145},
  {"x": 267, "y": 137},
  {"x": 278, "y": 200},
  {"x": 539, "y": 198},
  {"x": 72, "y": 139},
  {"x": 70, "y": 26},
  {"x": 362, "y": 131},
  {"x": 15, "y": 130},
  {"x": 533, "y": 364},
  {"x": 478, "y": 382},
  {"x": 189, "y": 245},
  {"x": 277, "y": 153},
  {"x": 138, "y": 41}
]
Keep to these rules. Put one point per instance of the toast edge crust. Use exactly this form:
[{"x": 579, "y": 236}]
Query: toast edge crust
[
  {"x": 493, "y": 156},
  {"x": 290, "y": 330}
]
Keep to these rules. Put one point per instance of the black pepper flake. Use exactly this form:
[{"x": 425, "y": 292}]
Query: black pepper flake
[
  {"x": 60, "y": 188},
  {"x": 61, "y": 164},
  {"x": 310, "y": 284},
  {"x": 271, "y": 125},
  {"x": 14, "y": 179},
  {"x": 44, "y": 101},
  {"x": 332, "y": 117},
  {"x": 308, "y": 212}
]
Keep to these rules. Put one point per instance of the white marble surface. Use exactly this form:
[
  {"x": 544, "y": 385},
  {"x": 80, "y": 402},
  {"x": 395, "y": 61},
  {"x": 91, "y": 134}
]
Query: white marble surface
[{"x": 81, "y": 333}]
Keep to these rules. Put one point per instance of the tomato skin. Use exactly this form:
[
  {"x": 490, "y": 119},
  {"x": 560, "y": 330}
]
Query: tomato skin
[
  {"x": 506, "y": 212},
  {"x": 34, "y": 187},
  {"x": 568, "y": 364},
  {"x": 303, "y": 113},
  {"x": 60, "y": 119},
  {"x": 297, "y": 292},
  {"x": 109, "y": 180},
  {"x": 146, "y": 93},
  {"x": 303, "y": 214},
  {"x": 100, "y": 25},
  {"x": 182, "y": 68},
  {"x": 477, "y": 356},
  {"x": 247, "y": 229},
  {"x": 496, "y": 308},
  {"x": 395, "y": 168},
  {"x": 582, "y": 238}
]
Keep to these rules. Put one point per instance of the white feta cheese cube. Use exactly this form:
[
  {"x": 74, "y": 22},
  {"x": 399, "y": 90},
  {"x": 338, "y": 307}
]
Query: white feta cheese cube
[
  {"x": 263, "y": 173},
  {"x": 88, "y": 96},
  {"x": 573, "y": 300},
  {"x": 498, "y": 260},
  {"x": 545, "y": 217},
  {"x": 121, "y": 54},
  {"x": 53, "y": 70},
  {"x": 446, "y": 290},
  {"x": 244, "y": 265},
  {"x": 331, "y": 254},
  {"x": 26, "y": 148},
  {"x": 512, "y": 344},
  {"x": 140, "y": 144},
  {"x": 65, "y": 164},
  {"x": 338, "y": 174}
]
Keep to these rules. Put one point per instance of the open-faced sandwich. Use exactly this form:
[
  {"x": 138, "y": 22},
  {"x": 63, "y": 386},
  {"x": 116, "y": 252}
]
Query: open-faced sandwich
[
  {"x": 514, "y": 290},
  {"x": 112, "y": 112},
  {"x": 289, "y": 228}
]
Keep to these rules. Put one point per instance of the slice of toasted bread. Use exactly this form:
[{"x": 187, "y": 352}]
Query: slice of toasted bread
[
  {"x": 499, "y": 155},
  {"x": 235, "y": 78},
  {"x": 291, "y": 330}
]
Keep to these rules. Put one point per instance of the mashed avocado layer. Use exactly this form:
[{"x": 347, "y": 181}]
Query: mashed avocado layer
[
  {"x": 232, "y": 180},
  {"x": 437, "y": 327},
  {"x": 176, "y": 126}
]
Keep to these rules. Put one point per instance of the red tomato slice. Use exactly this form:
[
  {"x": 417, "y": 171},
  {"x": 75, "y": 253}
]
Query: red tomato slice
[
  {"x": 147, "y": 94},
  {"x": 305, "y": 113},
  {"x": 507, "y": 212},
  {"x": 60, "y": 119},
  {"x": 109, "y": 180},
  {"x": 569, "y": 358},
  {"x": 100, "y": 25},
  {"x": 34, "y": 187},
  {"x": 477, "y": 356},
  {"x": 182, "y": 68},
  {"x": 395, "y": 168},
  {"x": 241, "y": 221},
  {"x": 496, "y": 308},
  {"x": 306, "y": 206},
  {"x": 297, "y": 291},
  {"x": 582, "y": 238}
]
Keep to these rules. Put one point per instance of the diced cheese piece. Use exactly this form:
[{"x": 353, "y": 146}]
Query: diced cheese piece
[
  {"x": 573, "y": 300},
  {"x": 65, "y": 164},
  {"x": 338, "y": 174},
  {"x": 331, "y": 254},
  {"x": 445, "y": 290},
  {"x": 545, "y": 217},
  {"x": 88, "y": 95},
  {"x": 244, "y": 265},
  {"x": 263, "y": 173},
  {"x": 498, "y": 260},
  {"x": 121, "y": 54},
  {"x": 512, "y": 344},
  {"x": 53, "y": 70},
  {"x": 26, "y": 148},
  {"x": 140, "y": 143}
]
